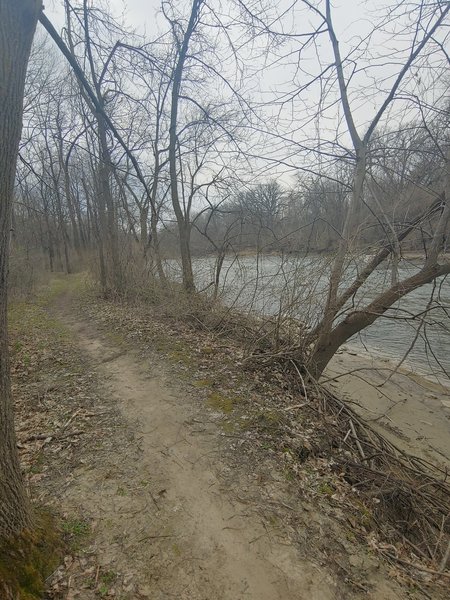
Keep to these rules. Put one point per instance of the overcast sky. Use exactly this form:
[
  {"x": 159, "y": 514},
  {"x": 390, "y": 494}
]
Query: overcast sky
[
  {"x": 350, "y": 18},
  {"x": 137, "y": 13},
  {"x": 141, "y": 14},
  {"x": 353, "y": 19}
]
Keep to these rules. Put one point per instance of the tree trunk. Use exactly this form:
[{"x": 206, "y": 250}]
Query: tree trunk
[
  {"x": 154, "y": 218},
  {"x": 329, "y": 340},
  {"x": 111, "y": 229},
  {"x": 186, "y": 261},
  {"x": 182, "y": 219},
  {"x": 156, "y": 253},
  {"x": 18, "y": 20},
  {"x": 71, "y": 208},
  {"x": 218, "y": 269},
  {"x": 351, "y": 225},
  {"x": 63, "y": 230},
  {"x": 99, "y": 220},
  {"x": 51, "y": 251},
  {"x": 143, "y": 219},
  {"x": 358, "y": 320}
]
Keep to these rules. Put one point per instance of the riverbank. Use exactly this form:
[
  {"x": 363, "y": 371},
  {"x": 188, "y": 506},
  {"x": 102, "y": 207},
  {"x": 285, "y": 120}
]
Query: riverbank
[
  {"x": 410, "y": 410},
  {"x": 171, "y": 469},
  {"x": 180, "y": 467},
  {"x": 272, "y": 417}
]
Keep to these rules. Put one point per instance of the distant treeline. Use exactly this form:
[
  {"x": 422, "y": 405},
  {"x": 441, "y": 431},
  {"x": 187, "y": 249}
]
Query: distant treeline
[{"x": 309, "y": 216}]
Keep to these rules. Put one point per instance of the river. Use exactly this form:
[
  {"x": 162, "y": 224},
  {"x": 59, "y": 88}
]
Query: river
[{"x": 297, "y": 286}]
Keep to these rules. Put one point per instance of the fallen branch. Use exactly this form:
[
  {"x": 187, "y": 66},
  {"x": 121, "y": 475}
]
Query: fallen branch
[
  {"x": 445, "y": 558},
  {"x": 415, "y": 566},
  {"x": 413, "y": 495},
  {"x": 358, "y": 443},
  {"x": 51, "y": 436}
]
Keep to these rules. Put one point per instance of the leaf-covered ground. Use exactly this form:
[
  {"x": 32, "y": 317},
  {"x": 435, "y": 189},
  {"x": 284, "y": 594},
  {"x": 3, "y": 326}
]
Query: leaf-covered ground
[{"x": 81, "y": 444}]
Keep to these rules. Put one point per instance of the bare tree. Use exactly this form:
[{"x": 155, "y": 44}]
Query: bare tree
[
  {"x": 331, "y": 333},
  {"x": 182, "y": 40},
  {"x": 17, "y": 26}
]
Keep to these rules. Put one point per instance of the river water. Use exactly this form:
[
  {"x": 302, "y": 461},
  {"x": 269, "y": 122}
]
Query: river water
[{"x": 297, "y": 287}]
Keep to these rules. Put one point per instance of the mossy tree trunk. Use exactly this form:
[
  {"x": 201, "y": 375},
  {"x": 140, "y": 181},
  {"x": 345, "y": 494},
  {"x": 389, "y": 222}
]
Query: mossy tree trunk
[{"x": 18, "y": 20}]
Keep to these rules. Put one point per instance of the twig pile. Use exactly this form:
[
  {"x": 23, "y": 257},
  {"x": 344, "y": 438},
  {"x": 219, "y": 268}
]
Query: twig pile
[{"x": 410, "y": 496}]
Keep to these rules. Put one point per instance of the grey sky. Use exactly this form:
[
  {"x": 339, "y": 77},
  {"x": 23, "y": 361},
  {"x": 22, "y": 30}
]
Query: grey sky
[
  {"x": 353, "y": 19},
  {"x": 137, "y": 13}
]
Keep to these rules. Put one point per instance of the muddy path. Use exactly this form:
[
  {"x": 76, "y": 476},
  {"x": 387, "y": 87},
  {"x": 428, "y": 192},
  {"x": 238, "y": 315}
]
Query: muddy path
[{"x": 162, "y": 515}]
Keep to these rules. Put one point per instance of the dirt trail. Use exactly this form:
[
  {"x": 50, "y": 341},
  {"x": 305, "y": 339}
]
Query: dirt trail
[{"x": 174, "y": 527}]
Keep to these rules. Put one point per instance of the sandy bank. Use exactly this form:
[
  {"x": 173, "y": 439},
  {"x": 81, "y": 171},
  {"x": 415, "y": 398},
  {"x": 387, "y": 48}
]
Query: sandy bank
[{"x": 408, "y": 409}]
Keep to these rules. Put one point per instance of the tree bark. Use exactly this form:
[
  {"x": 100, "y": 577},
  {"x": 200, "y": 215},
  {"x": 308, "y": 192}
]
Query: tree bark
[
  {"x": 18, "y": 20},
  {"x": 110, "y": 230},
  {"x": 68, "y": 192},
  {"x": 182, "y": 220},
  {"x": 155, "y": 248}
]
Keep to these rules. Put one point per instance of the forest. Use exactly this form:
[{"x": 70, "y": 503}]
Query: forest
[{"x": 261, "y": 180}]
